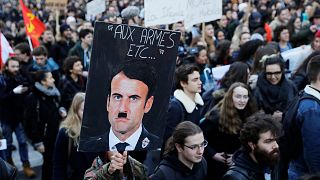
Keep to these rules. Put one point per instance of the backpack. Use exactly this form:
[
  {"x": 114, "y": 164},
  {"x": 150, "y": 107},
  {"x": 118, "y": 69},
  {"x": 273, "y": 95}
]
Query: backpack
[{"x": 290, "y": 142}]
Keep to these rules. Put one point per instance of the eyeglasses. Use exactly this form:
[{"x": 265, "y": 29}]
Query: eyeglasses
[
  {"x": 277, "y": 73},
  {"x": 198, "y": 146}
]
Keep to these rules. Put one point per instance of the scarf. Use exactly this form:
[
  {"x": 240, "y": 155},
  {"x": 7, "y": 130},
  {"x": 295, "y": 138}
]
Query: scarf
[
  {"x": 273, "y": 97},
  {"x": 53, "y": 91}
]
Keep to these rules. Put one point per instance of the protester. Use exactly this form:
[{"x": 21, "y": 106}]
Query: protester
[
  {"x": 68, "y": 162},
  {"x": 183, "y": 154},
  {"x": 274, "y": 91},
  {"x": 43, "y": 117},
  {"x": 238, "y": 72},
  {"x": 42, "y": 62},
  {"x": 299, "y": 77},
  {"x": 13, "y": 90},
  {"x": 308, "y": 160},
  {"x": 187, "y": 102},
  {"x": 74, "y": 81},
  {"x": 120, "y": 166},
  {"x": 82, "y": 49},
  {"x": 222, "y": 125},
  {"x": 259, "y": 151}
]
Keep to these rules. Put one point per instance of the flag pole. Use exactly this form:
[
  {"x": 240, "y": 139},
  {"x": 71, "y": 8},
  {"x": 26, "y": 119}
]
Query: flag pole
[{"x": 30, "y": 43}]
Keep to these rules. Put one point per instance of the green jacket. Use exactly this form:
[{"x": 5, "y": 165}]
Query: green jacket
[{"x": 99, "y": 171}]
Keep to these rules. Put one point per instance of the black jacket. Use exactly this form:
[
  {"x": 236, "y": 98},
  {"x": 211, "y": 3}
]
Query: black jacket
[
  {"x": 217, "y": 142},
  {"x": 172, "y": 168},
  {"x": 70, "y": 88},
  {"x": 42, "y": 117},
  {"x": 244, "y": 168},
  {"x": 11, "y": 104},
  {"x": 101, "y": 142}
]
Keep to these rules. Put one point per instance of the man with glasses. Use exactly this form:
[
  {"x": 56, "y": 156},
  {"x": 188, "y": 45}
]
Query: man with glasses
[{"x": 183, "y": 154}]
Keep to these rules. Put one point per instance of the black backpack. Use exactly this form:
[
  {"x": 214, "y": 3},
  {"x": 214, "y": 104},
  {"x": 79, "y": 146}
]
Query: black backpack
[{"x": 290, "y": 142}]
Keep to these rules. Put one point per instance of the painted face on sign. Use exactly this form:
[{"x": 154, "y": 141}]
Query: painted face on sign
[{"x": 127, "y": 104}]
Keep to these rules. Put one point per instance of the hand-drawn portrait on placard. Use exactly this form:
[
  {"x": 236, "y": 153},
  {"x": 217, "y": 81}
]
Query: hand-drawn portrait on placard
[{"x": 128, "y": 90}]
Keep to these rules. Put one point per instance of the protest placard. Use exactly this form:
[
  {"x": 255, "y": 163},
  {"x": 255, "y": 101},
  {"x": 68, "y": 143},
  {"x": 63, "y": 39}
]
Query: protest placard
[
  {"x": 189, "y": 11},
  {"x": 198, "y": 11},
  {"x": 94, "y": 8},
  {"x": 296, "y": 56},
  {"x": 129, "y": 84},
  {"x": 56, "y": 4},
  {"x": 163, "y": 12}
]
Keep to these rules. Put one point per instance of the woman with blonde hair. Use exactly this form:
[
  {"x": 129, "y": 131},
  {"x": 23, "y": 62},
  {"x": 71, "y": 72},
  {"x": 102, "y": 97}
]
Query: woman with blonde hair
[
  {"x": 68, "y": 163},
  {"x": 222, "y": 125}
]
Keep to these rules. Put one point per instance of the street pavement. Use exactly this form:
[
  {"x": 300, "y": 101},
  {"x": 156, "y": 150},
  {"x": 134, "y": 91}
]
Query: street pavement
[{"x": 35, "y": 159}]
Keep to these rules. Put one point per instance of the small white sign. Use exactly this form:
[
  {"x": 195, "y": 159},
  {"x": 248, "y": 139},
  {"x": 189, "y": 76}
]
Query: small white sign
[{"x": 95, "y": 7}]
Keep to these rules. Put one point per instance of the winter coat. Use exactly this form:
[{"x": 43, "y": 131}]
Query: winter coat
[{"x": 171, "y": 168}]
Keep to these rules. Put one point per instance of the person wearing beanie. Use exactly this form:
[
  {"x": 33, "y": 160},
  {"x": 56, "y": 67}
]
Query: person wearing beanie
[
  {"x": 130, "y": 15},
  {"x": 64, "y": 44}
]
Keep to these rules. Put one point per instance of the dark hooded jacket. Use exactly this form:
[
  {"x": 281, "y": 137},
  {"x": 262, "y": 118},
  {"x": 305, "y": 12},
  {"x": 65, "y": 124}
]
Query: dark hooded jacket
[
  {"x": 172, "y": 168},
  {"x": 244, "y": 168}
]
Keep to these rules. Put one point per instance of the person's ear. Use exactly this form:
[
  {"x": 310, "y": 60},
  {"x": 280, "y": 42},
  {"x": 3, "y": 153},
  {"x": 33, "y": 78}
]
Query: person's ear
[
  {"x": 178, "y": 147},
  {"x": 148, "y": 104},
  {"x": 252, "y": 146},
  {"x": 107, "y": 104},
  {"x": 183, "y": 84}
]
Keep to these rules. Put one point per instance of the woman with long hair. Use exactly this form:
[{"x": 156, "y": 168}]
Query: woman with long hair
[
  {"x": 238, "y": 72},
  {"x": 68, "y": 163},
  {"x": 222, "y": 125}
]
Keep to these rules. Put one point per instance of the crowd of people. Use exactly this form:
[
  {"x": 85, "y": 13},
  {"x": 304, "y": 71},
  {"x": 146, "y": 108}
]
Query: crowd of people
[{"x": 224, "y": 128}]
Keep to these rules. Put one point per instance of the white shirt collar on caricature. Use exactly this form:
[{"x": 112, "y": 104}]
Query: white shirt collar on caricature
[{"x": 132, "y": 140}]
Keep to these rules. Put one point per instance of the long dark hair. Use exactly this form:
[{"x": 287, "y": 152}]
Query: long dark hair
[
  {"x": 238, "y": 72},
  {"x": 181, "y": 132}
]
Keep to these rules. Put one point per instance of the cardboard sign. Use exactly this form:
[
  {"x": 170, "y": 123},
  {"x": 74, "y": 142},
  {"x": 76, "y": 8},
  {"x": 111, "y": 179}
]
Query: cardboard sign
[
  {"x": 129, "y": 84},
  {"x": 94, "y": 8},
  {"x": 296, "y": 56},
  {"x": 190, "y": 11},
  {"x": 163, "y": 12},
  {"x": 199, "y": 11},
  {"x": 56, "y": 4}
]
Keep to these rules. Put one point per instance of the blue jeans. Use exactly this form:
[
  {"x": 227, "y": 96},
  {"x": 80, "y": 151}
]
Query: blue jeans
[{"x": 22, "y": 140}]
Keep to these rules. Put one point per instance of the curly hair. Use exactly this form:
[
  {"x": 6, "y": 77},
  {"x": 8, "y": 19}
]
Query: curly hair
[
  {"x": 72, "y": 123},
  {"x": 257, "y": 124},
  {"x": 230, "y": 120}
]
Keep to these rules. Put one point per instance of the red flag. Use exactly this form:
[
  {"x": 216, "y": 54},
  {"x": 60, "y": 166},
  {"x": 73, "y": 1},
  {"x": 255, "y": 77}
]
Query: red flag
[{"x": 34, "y": 27}]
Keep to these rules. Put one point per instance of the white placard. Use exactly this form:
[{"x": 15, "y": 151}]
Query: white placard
[
  {"x": 199, "y": 11},
  {"x": 95, "y": 7},
  {"x": 164, "y": 11},
  {"x": 190, "y": 11},
  {"x": 219, "y": 72},
  {"x": 296, "y": 56}
]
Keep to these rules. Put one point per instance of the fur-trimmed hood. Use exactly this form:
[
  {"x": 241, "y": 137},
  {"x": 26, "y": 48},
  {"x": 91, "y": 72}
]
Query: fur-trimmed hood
[
  {"x": 311, "y": 91},
  {"x": 188, "y": 103}
]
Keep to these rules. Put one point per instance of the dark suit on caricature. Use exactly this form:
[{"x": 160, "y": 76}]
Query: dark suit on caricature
[{"x": 147, "y": 141}]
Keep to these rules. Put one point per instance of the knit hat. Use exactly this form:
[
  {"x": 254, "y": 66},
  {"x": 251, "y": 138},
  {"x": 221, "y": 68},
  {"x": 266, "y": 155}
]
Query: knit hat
[
  {"x": 130, "y": 12},
  {"x": 64, "y": 27}
]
